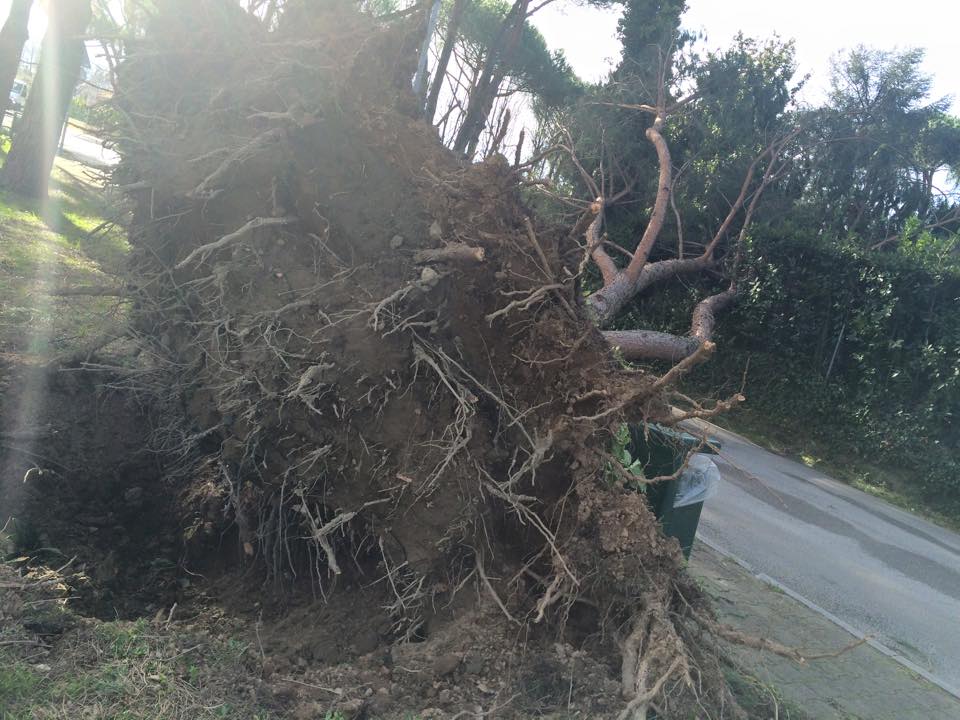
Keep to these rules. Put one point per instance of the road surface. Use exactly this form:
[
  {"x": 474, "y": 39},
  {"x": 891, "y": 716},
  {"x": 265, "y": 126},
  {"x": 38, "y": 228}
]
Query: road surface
[
  {"x": 879, "y": 569},
  {"x": 83, "y": 146},
  {"x": 88, "y": 149}
]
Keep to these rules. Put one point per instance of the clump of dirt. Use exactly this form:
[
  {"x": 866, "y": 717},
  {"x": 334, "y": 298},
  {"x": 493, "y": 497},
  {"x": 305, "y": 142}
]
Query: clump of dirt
[{"x": 372, "y": 374}]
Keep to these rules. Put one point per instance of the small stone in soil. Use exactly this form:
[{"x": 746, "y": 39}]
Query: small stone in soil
[{"x": 446, "y": 664}]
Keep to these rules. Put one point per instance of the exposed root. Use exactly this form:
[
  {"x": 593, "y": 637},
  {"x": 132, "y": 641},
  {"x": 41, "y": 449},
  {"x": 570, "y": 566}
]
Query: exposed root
[
  {"x": 204, "y": 251},
  {"x": 455, "y": 253},
  {"x": 653, "y": 654}
]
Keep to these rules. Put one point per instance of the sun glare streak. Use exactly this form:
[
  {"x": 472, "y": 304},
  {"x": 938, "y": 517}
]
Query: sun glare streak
[
  {"x": 26, "y": 406},
  {"x": 38, "y": 20}
]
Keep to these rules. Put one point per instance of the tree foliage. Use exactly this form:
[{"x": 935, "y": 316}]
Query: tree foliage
[
  {"x": 875, "y": 149},
  {"x": 848, "y": 285},
  {"x": 531, "y": 67}
]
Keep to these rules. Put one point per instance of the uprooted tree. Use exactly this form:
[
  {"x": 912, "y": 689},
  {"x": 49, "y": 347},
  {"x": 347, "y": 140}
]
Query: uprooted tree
[
  {"x": 621, "y": 285},
  {"x": 367, "y": 357}
]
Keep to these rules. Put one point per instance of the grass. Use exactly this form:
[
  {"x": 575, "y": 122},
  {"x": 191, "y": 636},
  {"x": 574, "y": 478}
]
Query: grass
[
  {"x": 59, "y": 243},
  {"x": 759, "y": 699},
  {"x": 891, "y": 484},
  {"x": 129, "y": 670},
  {"x": 118, "y": 670}
]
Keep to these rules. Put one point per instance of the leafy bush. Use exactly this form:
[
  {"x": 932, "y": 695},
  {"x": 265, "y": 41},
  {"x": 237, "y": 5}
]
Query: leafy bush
[{"x": 855, "y": 348}]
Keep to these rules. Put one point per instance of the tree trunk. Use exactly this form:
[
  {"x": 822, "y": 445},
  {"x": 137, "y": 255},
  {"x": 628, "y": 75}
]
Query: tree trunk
[
  {"x": 28, "y": 166},
  {"x": 482, "y": 97},
  {"x": 420, "y": 79},
  {"x": 449, "y": 41},
  {"x": 12, "y": 39},
  {"x": 607, "y": 302}
]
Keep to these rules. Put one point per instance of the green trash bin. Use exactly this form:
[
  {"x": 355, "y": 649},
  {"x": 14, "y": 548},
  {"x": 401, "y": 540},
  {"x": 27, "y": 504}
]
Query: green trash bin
[{"x": 662, "y": 451}]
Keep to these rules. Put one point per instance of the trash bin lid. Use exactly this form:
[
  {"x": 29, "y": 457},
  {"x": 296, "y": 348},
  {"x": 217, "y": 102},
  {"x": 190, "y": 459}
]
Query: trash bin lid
[
  {"x": 681, "y": 437},
  {"x": 698, "y": 482}
]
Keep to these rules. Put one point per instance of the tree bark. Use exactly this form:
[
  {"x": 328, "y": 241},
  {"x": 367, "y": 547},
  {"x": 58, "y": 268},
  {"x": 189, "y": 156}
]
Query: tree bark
[
  {"x": 440, "y": 72},
  {"x": 620, "y": 287},
  {"x": 34, "y": 148},
  {"x": 12, "y": 39},
  {"x": 655, "y": 345},
  {"x": 420, "y": 79},
  {"x": 650, "y": 345},
  {"x": 609, "y": 300}
]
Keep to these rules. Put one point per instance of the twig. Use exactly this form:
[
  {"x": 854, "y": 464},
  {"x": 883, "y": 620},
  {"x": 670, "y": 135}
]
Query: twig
[
  {"x": 493, "y": 593},
  {"x": 88, "y": 290}
]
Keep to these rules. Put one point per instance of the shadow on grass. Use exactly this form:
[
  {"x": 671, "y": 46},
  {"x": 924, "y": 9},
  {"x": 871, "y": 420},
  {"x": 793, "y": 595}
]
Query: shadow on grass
[
  {"x": 76, "y": 209},
  {"x": 63, "y": 240}
]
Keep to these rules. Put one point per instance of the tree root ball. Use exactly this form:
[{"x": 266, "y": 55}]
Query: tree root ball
[{"x": 432, "y": 413}]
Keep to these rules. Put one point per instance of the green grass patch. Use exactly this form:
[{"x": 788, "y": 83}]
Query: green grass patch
[
  {"x": 62, "y": 242},
  {"x": 18, "y": 682},
  {"x": 131, "y": 670}
]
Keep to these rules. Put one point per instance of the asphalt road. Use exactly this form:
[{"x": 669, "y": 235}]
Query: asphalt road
[
  {"x": 88, "y": 149},
  {"x": 879, "y": 569},
  {"x": 84, "y": 147}
]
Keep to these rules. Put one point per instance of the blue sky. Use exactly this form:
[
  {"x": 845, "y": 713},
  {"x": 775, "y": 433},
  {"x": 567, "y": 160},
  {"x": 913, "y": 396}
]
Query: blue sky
[{"x": 821, "y": 28}]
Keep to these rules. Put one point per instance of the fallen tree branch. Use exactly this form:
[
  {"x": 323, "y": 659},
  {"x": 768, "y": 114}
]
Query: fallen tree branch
[
  {"x": 650, "y": 344},
  {"x": 719, "y": 408},
  {"x": 603, "y": 261},
  {"x": 656, "y": 345},
  {"x": 659, "y": 214},
  {"x": 88, "y": 291}
]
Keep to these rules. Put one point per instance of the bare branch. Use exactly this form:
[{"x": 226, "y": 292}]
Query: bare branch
[
  {"x": 608, "y": 268},
  {"x": 659, "y": 213}
]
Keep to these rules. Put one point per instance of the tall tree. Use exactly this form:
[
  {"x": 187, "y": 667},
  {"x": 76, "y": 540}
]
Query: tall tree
[
  {"x": 529, "y": 69},
  {"x": 875, "y": 149},
  {"x": 484, "y": 91},
  {"x": 440, "y": 72},
  {"x": 682, "y": 203},
  {"x": 12, "y": 39},
  {"x": 34, "y": 147}
]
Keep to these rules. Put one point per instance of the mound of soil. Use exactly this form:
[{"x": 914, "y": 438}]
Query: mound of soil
[{"x": 373, "y": 383}]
